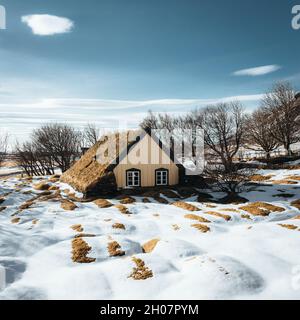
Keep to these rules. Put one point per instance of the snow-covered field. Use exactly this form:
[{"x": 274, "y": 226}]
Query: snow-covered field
[{"x": 240, "y": 256}]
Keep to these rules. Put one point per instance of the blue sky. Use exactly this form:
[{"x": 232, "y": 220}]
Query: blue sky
[{"x": 118, "y": 58}]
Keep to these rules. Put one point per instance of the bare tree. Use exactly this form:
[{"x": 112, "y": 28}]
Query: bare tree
[
  {"x": 3, "y": 147},
  {"x": 61, "y": 142},
  {"x": 260, "y": 132},
  {"x": 231, "y": 181},
  {"x": 224, "y": 130},
  {"x": 91, "y": 134},
  {"x": 33, "y": 161},
  {"x": 284, "y": 114}
]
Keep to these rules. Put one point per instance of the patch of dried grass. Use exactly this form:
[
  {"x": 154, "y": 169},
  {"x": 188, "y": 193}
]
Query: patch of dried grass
[
  {"x": 258, "y": 177},
  {"x": 141, "y": 271},
  {"x": 118, "y": 226},
  {"x": 41, "y": 186},
  {"x": 77, "y": 227},
  {"x": 261, "y": 208},
  {"x": 68, "y": 205},
  {"x": 220, "y": 215},
  {"x": 201, "y": 227},
  {"x": 197, "y": 218},
  {"x": 54, "y": 178},
  {"x": 2, "y": 208},
  {"x": 122, "y": 209},
  {"x": 35, "y": 221},
  {"x": 80, "y": 251},
  {"x": 175, "y": 227},
  {"x": 54, "y": 188},
  {"x": 283, "y": 181},
  {"x": 161, "y": 200},
  {"x": 229, "y": 210},
  {"x": 185, "y": 206},
  {"x": 288, "y": 226},
  {"x": 210, "y": 206},
  {"x": 149, "y": 246},
  {"x": 246, "y": 216},
  {"x": 84, "y": 235},
  {"x": 127, "y": 200},
  {"x": 114, "y": 249},
  {"x": 15, "y": 220},
  {"x": 170, "y": 194},
  {"x": 146, "y": 200},
  {"x": 26, "y": 205},
  {"x": 103, "y": 203},
  {"x": 297, "y": 178},
  {"x": 296, "y": 204}
]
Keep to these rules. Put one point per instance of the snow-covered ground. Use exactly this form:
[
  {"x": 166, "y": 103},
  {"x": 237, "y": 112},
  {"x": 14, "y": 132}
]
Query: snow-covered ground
[{"x": 246, "y": 257}]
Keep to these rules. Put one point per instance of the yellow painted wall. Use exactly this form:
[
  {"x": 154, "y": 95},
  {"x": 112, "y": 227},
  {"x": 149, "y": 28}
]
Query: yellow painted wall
[{"x": 146, "y": 156}]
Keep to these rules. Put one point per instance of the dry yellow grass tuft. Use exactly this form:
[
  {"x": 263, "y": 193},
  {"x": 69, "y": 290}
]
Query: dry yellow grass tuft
[
  {"x": 118, "y": 226},
  {"x": 68, "y": 205},
  {"x": 246, "y": 216},
  {"x": 195, "y": 217},
  {"x": 297, "y": 217},
  {"x": 229, "y": 210},
  {"x": 170, "y": 194},
  {"x": 161, "y": 200},
  {"x": 35, "y": 221},
  {"x": 283, "y": 181},
  {"x": 288, "y": 226},
  {"x": 220, "y": 215},
  {"x": 150, "y": 245},
  {"x": 41, "y": 186},
  {"x": 114, "y": 249},
  {"x": 26, "y": 205},
  {"x": 146, "y": 200},
  {"x": 185, "y": 206},
  {"x": 122, "y": 209},
  {"x": 77, "y": 227},
  {"x": 84, "y": 235},
  {"x": 296, "y": 204},
  {"x": 127, "y": 200},
  {"x": 297, "y": 178},
  {"x": 80, "y": 251},
  {"x": 175, "y": 227},
  {"x": 261, "y": 208},
  {"x": 141, "y": 271},
  {"x": 201, "y": 227},
  {"x": 103, "y": 203},
  {"x": 15, "y": 220},
  {"x": 54, "y": 178},
  {"x": 54, "y": 188},
  {"x": 210, "y": 206},
  {"x": 258, "y": 177}
]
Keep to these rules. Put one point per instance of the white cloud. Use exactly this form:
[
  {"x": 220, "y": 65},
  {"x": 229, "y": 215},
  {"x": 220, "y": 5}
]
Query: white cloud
[
  {"x": 103, "y": 104},
  {"x": 257, "y": 71},
  {"x": 47, "y": 25}
]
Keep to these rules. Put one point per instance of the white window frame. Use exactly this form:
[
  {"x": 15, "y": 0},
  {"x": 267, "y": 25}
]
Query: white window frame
[
  {"x": 163, "y": 176},
  {"x": 130, "y": 179}
]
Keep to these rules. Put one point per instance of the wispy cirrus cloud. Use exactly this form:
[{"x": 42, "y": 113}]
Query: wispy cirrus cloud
[
  {"x": 257, "y": 71},
  {"x": 47, "y": 25},
  {"x": 105, "y": 104}
]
